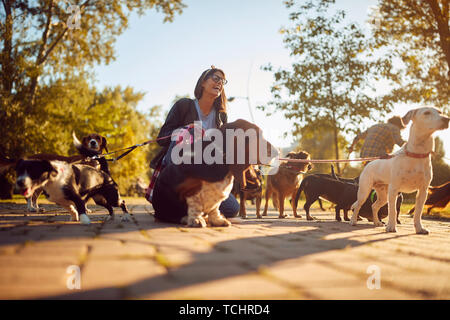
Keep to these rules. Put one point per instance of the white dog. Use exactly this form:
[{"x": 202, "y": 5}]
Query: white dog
[{"x": 407, "y": 171}]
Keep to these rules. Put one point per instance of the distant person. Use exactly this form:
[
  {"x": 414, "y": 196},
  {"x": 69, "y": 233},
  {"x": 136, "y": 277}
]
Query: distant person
[
  {"x": 209, "y": 107},
  {"x": 379, "y": 140}
]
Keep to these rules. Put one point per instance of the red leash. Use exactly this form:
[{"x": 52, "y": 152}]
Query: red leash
[{"x": 334, "y": 160}]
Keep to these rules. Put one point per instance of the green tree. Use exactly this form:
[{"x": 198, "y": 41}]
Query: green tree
[
  {"x": 39, "y": 45},
  {"x": 418, "y": 33},
  {"x": 75, "y": 106},
  {"x": 316, "y": 138},
  {"x": 45, "y": 38},
  {"x": 329, "y": 82}
]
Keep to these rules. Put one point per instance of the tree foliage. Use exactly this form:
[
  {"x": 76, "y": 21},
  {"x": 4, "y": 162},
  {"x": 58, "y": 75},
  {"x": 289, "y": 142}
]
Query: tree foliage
[
  {"x": 40, "y": 40},
  {"x": 330, "y": 80},
  {"x": 316, "y": 138},
  {"x": 418, "y": 33},
  {"x": 45, "y": 86},
  {"x": 441, "y": 170}
]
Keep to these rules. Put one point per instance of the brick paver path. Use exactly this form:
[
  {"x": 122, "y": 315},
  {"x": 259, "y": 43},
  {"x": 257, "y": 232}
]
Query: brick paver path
[{"x": 255, "y": 259}]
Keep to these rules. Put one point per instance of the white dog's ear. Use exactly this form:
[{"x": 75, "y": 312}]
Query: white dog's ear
[
  {"x": 76, "y": 142},
  {"x": 408, "y": 117}
]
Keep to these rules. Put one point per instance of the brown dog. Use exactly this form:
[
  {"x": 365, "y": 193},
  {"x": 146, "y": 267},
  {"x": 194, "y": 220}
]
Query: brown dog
[
  {"x": 191, "y": 193},
  {"x": 286, "y": 182},
  {"x": 438, "y": 197},
  {"x": 253, "y": 191}
]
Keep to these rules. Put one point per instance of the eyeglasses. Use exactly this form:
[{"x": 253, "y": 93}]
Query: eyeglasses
[{"x": 218, "y": 79}]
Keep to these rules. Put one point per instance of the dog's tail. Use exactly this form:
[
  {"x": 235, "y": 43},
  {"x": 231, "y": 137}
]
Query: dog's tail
[
  {"x": 299, "y": 191},
  {"x": 189, "y": 187}
]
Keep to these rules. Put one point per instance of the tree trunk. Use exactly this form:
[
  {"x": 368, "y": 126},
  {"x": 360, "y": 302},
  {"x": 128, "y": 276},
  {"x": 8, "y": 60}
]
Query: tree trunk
[
  {"x": 336, "y": 141},
  {"x": 443, "y": 28},
  {"x": 6, "y": 188},
  {"x": 7, "y": 59}
]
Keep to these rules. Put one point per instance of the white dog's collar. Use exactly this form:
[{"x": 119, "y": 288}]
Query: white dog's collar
[{"x": 416, "y": 155}]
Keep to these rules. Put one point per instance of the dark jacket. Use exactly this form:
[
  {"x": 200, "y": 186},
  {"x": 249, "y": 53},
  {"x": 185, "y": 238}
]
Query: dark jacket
[{"x": 182, "y": 113}]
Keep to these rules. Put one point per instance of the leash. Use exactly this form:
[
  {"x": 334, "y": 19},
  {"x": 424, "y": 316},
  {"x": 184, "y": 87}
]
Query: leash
[
  {"x": 129, "y": 149},
  {"x": 334, "y": 160}
]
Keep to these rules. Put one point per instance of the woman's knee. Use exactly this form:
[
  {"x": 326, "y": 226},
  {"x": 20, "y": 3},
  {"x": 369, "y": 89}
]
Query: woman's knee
[{"x": 229, "y": 207}]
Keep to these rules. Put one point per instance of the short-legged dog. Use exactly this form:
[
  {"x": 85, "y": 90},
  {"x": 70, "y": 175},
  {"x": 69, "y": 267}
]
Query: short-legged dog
[
  {"x": 342, "y": 194},
  {"x": 253, "y": 191},
  {"x": 70, "y": 186},
  {"x": 92, "y": 144},
  {"x": 191, "y": 193},
  {"x": 407, "y": 171},
  {"x": 286, "y": 182}
]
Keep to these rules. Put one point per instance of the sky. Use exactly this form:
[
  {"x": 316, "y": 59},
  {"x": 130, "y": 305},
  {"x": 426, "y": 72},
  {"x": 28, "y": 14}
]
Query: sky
[{"x": 164, "y": 60}]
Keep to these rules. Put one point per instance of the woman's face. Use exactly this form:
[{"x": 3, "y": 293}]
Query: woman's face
[{"x": 213, "y": 85}]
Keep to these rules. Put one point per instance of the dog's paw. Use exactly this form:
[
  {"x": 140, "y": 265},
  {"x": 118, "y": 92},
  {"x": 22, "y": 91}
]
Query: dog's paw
[
  {"x": 196, "y": 222},
  {"x": 309, "y": 218},
  {"x": 390, "y": 228},
  {"x": 126, "y": 217},
  {"x": 282, "y": 216},
  {"x": 353, "y": 222},
  {"x": 88, "y": 210},
  {"x": 378, "y": 224},
  {"x": 422, "y": 231},
  {"x": 221, "y": 223},
  {"x": 84, "y": 219}
]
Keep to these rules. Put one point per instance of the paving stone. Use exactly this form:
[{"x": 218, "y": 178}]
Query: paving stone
[
  {"x": 118, "y": 272},
  {"x": 267, "y": 258},
  {"x": 246, "y": 286}
]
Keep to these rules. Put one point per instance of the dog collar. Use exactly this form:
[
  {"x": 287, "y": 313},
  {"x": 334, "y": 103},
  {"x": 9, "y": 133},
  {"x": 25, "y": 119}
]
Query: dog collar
[{"x": 416, "y": 155}]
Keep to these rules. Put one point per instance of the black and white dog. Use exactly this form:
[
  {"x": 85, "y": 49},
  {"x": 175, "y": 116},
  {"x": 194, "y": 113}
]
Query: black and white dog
[{"x": 70, "y": 186}]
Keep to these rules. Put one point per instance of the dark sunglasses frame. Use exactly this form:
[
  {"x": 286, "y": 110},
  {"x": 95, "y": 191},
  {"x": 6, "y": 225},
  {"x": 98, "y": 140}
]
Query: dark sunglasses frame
[{"x": 218, "y": 79}]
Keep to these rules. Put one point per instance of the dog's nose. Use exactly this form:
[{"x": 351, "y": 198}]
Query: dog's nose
[{"x": 446, "y": 121}]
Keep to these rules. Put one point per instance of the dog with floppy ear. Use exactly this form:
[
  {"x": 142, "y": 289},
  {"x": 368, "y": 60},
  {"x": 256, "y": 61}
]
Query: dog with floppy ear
[
  {"x": 253, "y": 191},
  {"x": 192, "y": 193},
  {"x": 408, "y": 170},
  {"x": 70, "y": 186},
  {"x": 286, "y": 182},
  {"x": 92, "y": 145}
]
